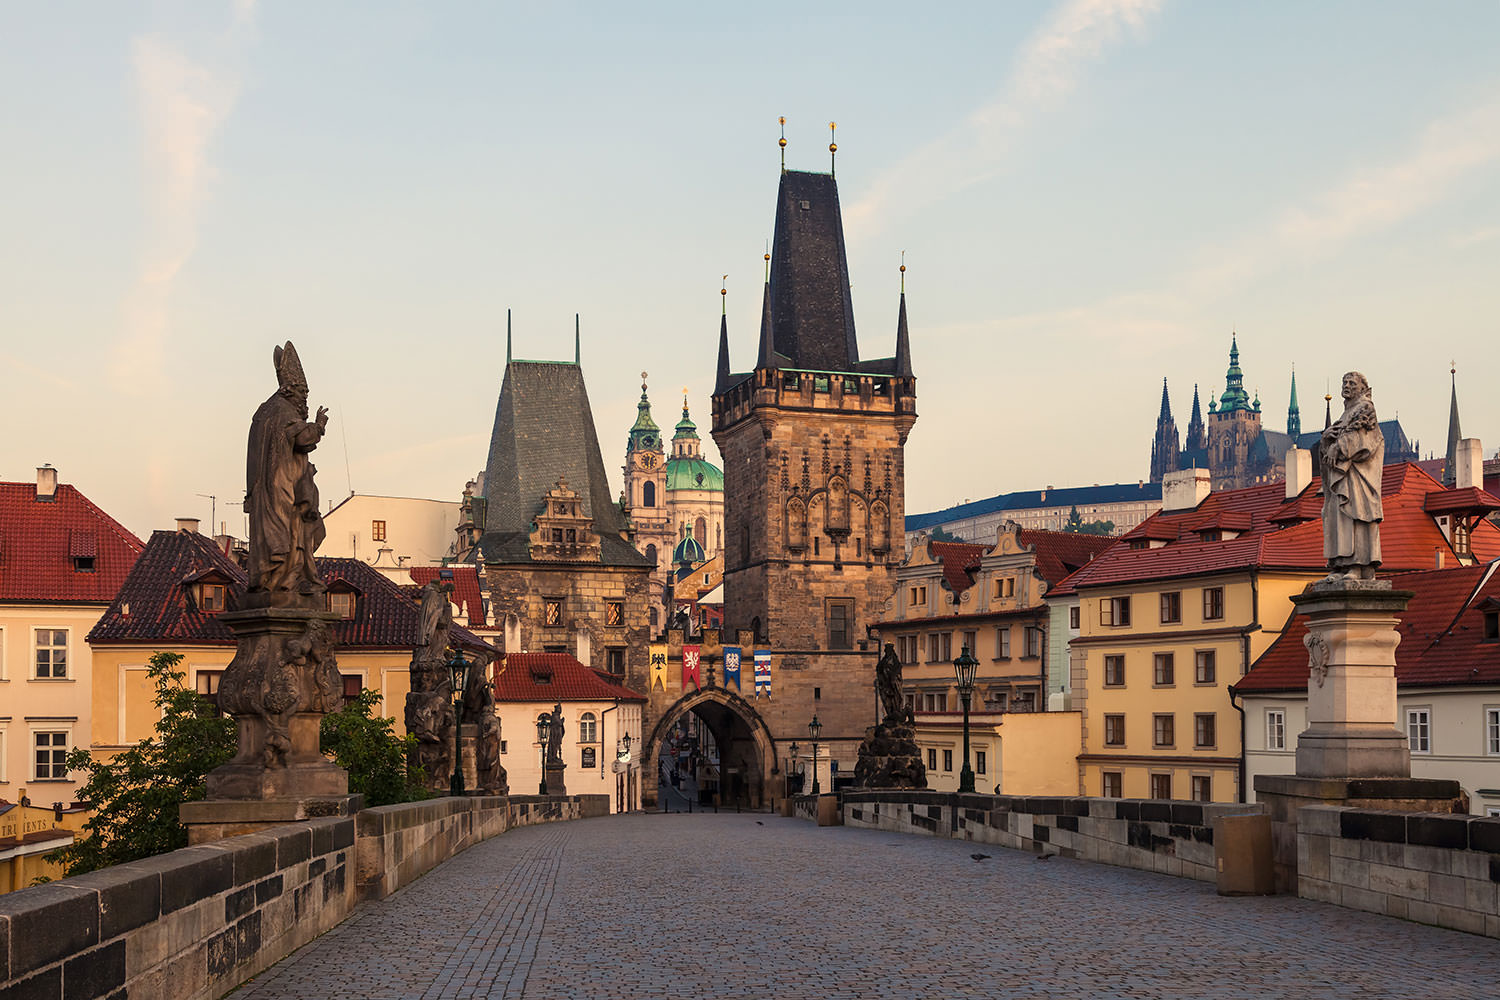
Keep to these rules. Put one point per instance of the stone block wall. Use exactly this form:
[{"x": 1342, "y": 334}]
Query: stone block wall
[
  {"x": 193, "y": 923},
  {"x": 1173, "y": 838},
  {"x": 396, "y": 844},
  {"x": 529, "y": 810},
  {"x": 1434, "y": 868}
]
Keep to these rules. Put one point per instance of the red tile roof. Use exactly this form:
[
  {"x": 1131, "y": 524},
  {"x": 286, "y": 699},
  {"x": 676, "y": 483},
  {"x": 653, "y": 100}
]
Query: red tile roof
[
  {"x": 960, "y": 560},
  {"x": 1060, "y": 553},
  {"x": 553, "y": 677},
  {"x": 1408, "y": 535},
  {"x": 1442, "y": 635},
  {"x": 465, "y": 587},
  {"x": 1471, "y": 500},
  {"x": 40, "y": 538},
  {"x": 154, "y": 604}
]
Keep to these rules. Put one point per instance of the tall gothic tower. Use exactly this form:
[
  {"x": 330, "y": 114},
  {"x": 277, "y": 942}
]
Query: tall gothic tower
[
  {"x": 646, "y": 493},
  {"x": 812, "y": 440},
  {"x": 1232, "y": 428},
  {"x": 1164, "y": 446}
]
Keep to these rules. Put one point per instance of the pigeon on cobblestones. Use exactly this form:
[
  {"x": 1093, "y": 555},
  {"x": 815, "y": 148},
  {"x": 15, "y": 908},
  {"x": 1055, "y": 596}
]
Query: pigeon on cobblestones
[{"x": 979, "y": 857}]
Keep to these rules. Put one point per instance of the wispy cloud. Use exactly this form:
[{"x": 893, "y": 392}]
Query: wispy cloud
[
  {"x": 183, "y": 103},
  {"x": 1048, "y": 67}
]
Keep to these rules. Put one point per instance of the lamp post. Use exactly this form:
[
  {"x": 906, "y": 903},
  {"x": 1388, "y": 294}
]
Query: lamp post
[
  {"x": 815, "y": 729},
  {"x": 963, "y": 669},
  {"x": 458, "y": 670},
  {"x": 543, "y": 727},
  {"x": 791, "y": 762},
  {"x": 622, "y": 780}
]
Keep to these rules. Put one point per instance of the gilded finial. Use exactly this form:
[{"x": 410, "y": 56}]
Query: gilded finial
[
  {"x": 833, "y": 147},
  {"x": 782, "y": 142},
  {"x": 684, "y": 401},
  {"x": 903, "y": 272},
  {"x": 724, "y": 295},
  {"x": 643, "y": 385},
  {"x": 768, "y": 260}
]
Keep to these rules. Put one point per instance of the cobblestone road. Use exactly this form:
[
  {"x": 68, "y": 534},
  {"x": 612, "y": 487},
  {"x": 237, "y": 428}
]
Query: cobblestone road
[{"x": 760, "y": 906}]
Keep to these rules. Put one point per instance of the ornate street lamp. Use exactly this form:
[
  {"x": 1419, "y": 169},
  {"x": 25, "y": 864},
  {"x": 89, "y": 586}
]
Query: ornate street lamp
[
  {"x": 622, "y": 747},
  {"x": 815, "y": 729},
  {"x": 791, "y": 762},
  {"x": 458, "y": 670},
  {"x": 963, "y": 669},
  {"x": 543, "y": 727}
]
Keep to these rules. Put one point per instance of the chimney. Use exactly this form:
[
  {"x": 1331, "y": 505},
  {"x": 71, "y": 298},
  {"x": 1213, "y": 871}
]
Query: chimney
[
  {"x": 1184, "y": 490},
  {"x": 584, "y": 650},
  {"x": 46, "y": 483},
  {"x": 187, "y": 525},
  {"x": 1470, "y": 465},
  {"x": 1298, "y": 471}
]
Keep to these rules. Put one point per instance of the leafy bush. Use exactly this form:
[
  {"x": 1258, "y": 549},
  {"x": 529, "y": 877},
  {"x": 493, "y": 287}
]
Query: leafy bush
[{"x": 366, "y": 746}]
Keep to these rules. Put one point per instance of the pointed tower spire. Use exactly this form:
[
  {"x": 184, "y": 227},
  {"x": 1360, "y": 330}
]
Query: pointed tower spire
[
  {"x": 1450, "y": 462},
  {"x": 1293, "y": 412},
  {"x": 721, "y": 382},
  {"x": 903, "y": 338},
  {"x": 1197, "y": 437},
  {"x": 767, "y": 356},
  {"x": 1164, "y": 446},
  {"x": 507, "y": 336},
  {"x": 1166, "y": 403}
]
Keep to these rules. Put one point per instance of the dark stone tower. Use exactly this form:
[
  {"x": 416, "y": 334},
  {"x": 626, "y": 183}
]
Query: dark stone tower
[
  {"x": 1164, "y": 446},
  {"x": 814, "y": 476}
]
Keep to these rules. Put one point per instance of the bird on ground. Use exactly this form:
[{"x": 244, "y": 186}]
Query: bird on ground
[{"x": 979, "y": 857}]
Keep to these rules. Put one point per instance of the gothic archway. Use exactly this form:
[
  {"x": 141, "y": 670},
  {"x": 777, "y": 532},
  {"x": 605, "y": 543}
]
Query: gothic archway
[{"x": 736, "y": 764}]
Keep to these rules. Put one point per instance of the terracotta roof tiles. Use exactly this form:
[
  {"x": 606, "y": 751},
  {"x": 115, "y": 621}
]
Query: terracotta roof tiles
[
  {"x": 39, "y": 540},
  {"x": 553, "y": 677}
]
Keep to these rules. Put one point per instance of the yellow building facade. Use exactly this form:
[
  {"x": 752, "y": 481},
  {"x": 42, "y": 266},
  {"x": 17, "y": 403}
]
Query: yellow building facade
[{"x": 1011, "y": 753}]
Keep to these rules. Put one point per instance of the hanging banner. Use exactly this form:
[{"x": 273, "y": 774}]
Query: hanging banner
[
  {"x": 690, "y": 666},
  {"x": 732, "y": 666},
  {"x": 762, "y": 673},
  {"x": 659, "y": 667}
]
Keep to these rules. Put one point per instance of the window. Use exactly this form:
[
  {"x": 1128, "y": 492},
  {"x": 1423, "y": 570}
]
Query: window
[
  {"x": 83, "y": 564},
  {"x": 1111, "y": 785},
  {"x": 947, "y": 760},
  {"x": 615, "y": 659},
  {"x": 51, "y": 653},
  {"x": 1114, "y": 611},
  {"x": 651, "y": 553},
  {"x": 1492, "y": 625},
  {"x": 906, "y": 648},
  {"x": 1460, "y": 537},
  {"x": 917, "y": 597},
  {"x": 1213, "y": 604},
  {"x": 1002, "y": 643},
  {"x": 648, "y": 494},
  {"x": 1163, "y": 669},
  {"x": 1033, "y": 637},
  {"x": 51, "y": 756},
  {"x": 208, "y": 686},
  {"x": 1205, "y": 730},
  {"x": 1073, "y": 618},
  {"x": 377, "y": 531},
  {"x": 1419, "y": 730},
  {"x": 700, "y": 529},
  {"x": 614, "y": 614},
  {"x": 1203, "y": 788},
  {"x": 935, "y": 701},
  {"x": 353, "y": 685},
  {"x": 1114, "y": 730},
  {"x": 1163, "y": 731},
  {"x": 341, "y": 603},
  {"x": 211, "y": 597},
  {"x": 552, "y": 612},
  {"x": 1275, "y": 729},
  {"x": 1005, "y": 586},
  {"x": 939, "y": 647},
  {"x": 840, "y": 623},
  {"x": 1161, "y": 786},
  {"x": 1114, "y": 671},
  {"x": 1171, "y": 608},
  {"x": 588, "y": 728},
  {"x": 931, "y": 759},
  {"x": 1205, "y": 668},
  {"x": 971, "y": 641},
  {"x": 979, "y": 761}
]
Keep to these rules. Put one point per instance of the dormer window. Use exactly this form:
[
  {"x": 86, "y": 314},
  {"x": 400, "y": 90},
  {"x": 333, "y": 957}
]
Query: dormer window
[
  {"x": 1492, "y": 626},
  {"x": 83, "y": 564},
  {"x": 341, "y": 603},
  {"x": 212, "y": 597}
]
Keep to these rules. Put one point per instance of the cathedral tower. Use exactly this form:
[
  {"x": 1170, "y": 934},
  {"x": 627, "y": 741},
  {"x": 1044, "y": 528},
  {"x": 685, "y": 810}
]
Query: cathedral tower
[{"x": 1164, "y": 447}]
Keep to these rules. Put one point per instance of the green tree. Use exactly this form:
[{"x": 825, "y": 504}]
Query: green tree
[
  {"x": 1075, "y": 521},
  {"x": 941, "y": 534},
  {"x": 1097, "y": 528},
  {"x": 366, "y": 745},
  {"x": 135, "y": 794}
]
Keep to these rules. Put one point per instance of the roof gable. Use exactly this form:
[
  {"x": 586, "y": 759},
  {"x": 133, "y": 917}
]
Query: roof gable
[
  {"x": 553, "y": 677},
  {"x": 43, "y": 541}
]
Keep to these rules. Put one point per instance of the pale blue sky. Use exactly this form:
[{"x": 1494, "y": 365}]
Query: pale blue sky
[{"x": 1091, "y": 195}]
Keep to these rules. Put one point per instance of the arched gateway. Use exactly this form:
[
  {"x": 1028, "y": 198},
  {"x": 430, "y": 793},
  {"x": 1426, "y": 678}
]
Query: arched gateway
[{"x": 747, "y": 754}]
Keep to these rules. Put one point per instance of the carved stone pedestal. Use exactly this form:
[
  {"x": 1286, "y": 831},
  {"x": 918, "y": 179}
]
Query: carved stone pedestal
[
  {"x": 1351, "y": 689},
  {"x": 555, "y": 783},
  {"x": 890, "y": 758}
]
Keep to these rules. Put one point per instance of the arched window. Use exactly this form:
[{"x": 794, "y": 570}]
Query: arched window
[
  {"x": 588, "y": 729},
  {"x": 651, "y": 553},
  {"x": 700, "y": 531},
  {"x": 648, "y": 494}
]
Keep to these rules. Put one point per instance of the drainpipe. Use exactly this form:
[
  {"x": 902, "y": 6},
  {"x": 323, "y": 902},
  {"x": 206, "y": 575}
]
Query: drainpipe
[
  {"x": 1245, "y": 669},
  {"x": 604, "y": 743}
]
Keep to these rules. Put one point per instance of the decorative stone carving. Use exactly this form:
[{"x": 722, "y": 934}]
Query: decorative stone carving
[
  {"x": 1352, "y": 457},
  {"x": 479, "y": 709},
  {"x": 429, "y": 704},
  {"x": 555, "y": 737},
  {"x": 1317, "y": 657},
  {"x": 889, "y": 756}
]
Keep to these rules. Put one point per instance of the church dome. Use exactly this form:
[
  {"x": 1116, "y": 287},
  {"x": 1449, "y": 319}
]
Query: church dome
[
  {"x": 688, "y": 551},
  {"x": 693, "y": 474}
]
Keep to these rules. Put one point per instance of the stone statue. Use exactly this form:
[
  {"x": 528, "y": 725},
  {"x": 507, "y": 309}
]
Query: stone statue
[
  {"x": 429, "y": 703},
  {"x": 1352, "y": 456},
  {"x": 555, "y": 736},
  {"x": 479, "y": 708},
  {"x": 281, "y": 498},
  {"x": 888, "y": 687}
]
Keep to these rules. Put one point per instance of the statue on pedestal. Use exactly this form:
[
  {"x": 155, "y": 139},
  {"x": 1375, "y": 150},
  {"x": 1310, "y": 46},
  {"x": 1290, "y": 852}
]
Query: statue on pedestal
[
  {"x": 555, "y": 737},
  {"x": 429, "y": 703},
  {"x": 1352, "y": 456},
  {"x": 479, "y": 708},
  {"x": 889, "y": 756}
]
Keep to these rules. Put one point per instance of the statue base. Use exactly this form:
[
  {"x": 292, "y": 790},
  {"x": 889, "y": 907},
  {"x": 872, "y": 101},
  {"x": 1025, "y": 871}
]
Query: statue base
[
  {"x": 890, "y": 758},
  {"x": 1351, "y": 689},
  {"x": 555, "y": 783},
  {"x": 215, "y": 819}
]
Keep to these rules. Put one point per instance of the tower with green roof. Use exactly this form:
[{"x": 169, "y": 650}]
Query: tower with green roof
[{"x": 1233, "y": 427}]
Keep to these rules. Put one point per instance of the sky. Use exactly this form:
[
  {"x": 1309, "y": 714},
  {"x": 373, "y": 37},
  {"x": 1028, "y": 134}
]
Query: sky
[{"x": 1092, "y": 195}]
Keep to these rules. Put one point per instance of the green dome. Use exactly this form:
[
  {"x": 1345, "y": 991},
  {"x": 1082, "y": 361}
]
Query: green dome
[
  {"x": 688, "y": 551},
  {"x": 693, "y": 474}
]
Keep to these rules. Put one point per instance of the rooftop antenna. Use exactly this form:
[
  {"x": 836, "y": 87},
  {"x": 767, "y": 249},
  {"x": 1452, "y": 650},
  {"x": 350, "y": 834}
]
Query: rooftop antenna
[
  {"x": 782, "y": 143},
  {"x": 213, "y": 510},
  {"x": 833, "y": 147},
  {"x": 344, "y": 433}
]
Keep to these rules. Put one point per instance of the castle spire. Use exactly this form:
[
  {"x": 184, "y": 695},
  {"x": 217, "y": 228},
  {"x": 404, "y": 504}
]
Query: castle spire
[
  {"x": 1166, "y": 403},
  {"x": 1235, "y": 397},
  {"x": 903, "y": 339},
  {"x": 767, "y": 356},
  {"x": 1197, "y": 436},
  {"x": 722, "y": 381},
  {"x": 1293, "y": 412},
  {"x": 1450, "y": 463},
  {"x": 1164, "y": 447}
]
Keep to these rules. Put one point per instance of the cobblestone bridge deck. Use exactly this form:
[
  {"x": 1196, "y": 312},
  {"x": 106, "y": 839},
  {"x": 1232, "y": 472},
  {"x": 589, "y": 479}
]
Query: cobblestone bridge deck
[{"x": 759, "y": 906}]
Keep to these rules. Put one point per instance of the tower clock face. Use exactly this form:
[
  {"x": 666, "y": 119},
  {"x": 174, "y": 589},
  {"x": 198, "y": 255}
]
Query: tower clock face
[{"x": 648, "y": 461}]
